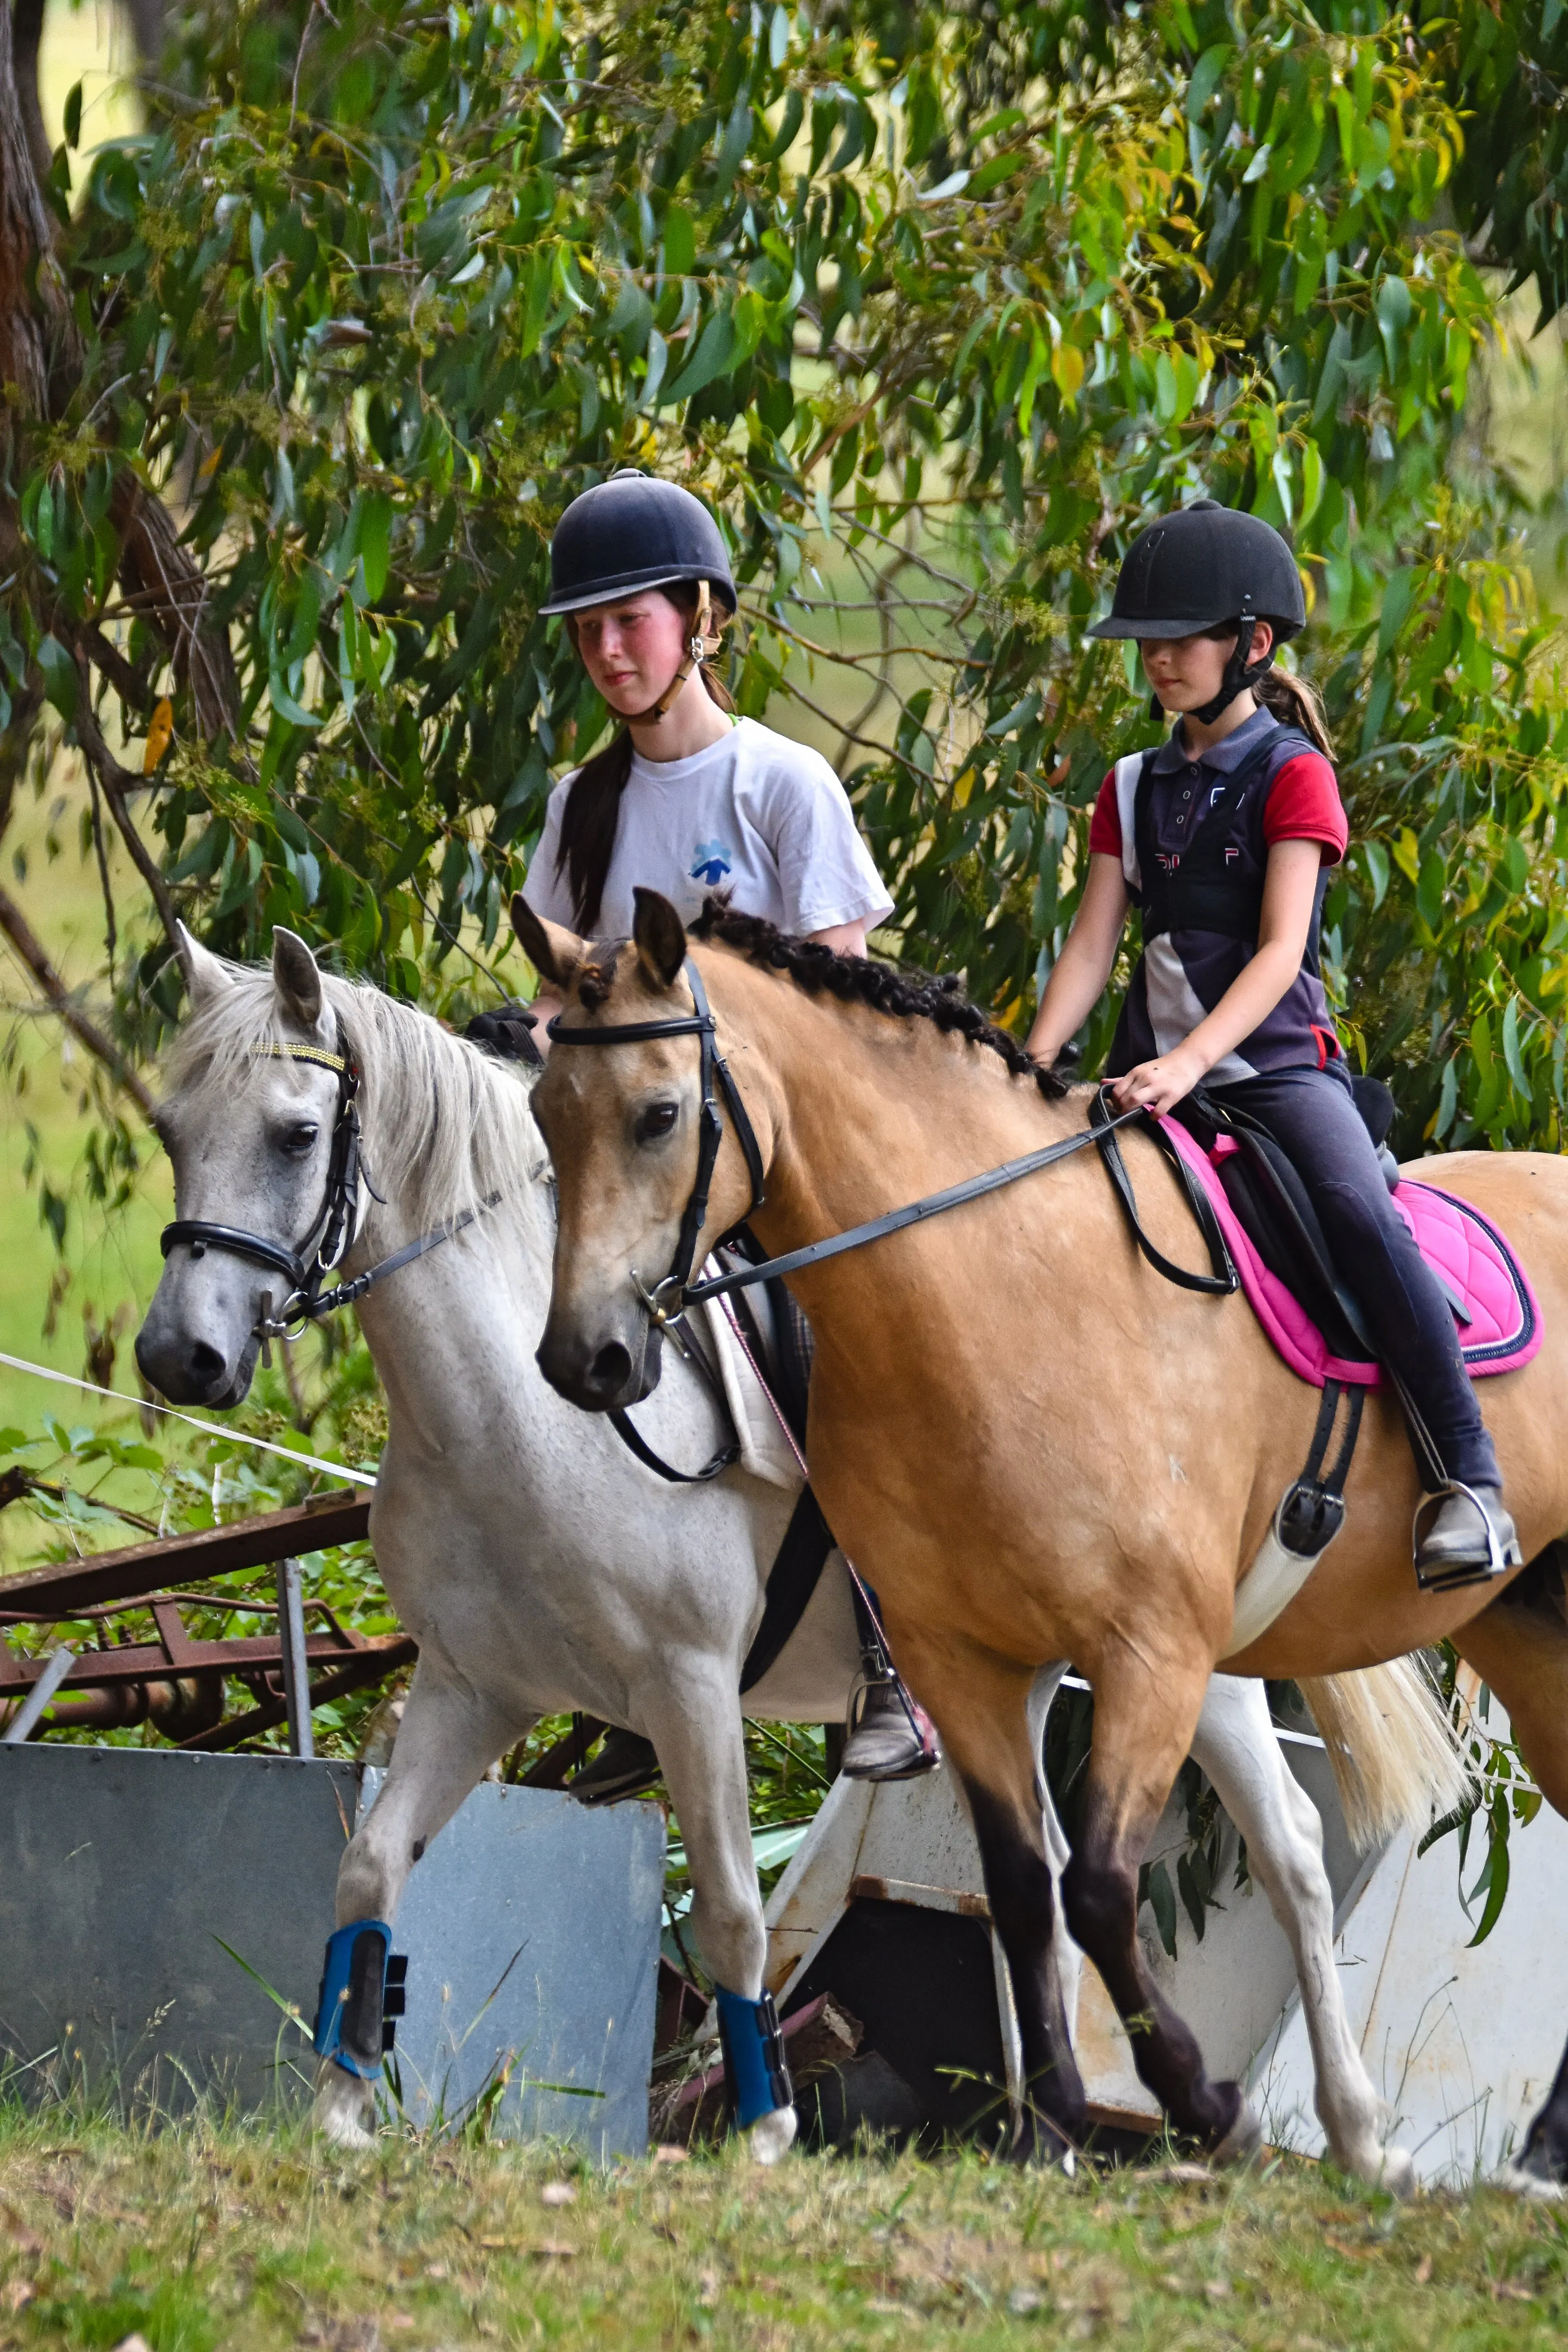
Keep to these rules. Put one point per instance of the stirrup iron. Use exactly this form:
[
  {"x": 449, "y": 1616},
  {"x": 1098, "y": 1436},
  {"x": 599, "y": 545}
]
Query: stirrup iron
[{"x": 1501, "y": 1562}]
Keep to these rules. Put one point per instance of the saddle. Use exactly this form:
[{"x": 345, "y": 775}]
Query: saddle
[{"x": 1287, "y": 1269}]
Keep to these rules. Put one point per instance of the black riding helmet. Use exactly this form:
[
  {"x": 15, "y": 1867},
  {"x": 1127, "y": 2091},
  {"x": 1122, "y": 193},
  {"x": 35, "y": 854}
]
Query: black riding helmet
[
  {"x": 1198, "y": 569},
  {"x": 631, "y": 532}
]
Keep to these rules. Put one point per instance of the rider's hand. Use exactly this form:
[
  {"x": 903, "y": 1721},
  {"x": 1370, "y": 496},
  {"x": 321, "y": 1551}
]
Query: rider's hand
[{"x": 1160, "y": 1085}]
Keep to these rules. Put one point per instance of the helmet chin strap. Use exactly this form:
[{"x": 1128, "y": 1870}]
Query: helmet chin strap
[
  {"x": 1240, "y": 671},
  {"x": 702, "y": 635}
]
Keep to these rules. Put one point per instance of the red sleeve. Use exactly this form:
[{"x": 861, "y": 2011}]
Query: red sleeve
[
  {"x": 1304, "y": 804},
  {"x": 1105, "y": 824}
]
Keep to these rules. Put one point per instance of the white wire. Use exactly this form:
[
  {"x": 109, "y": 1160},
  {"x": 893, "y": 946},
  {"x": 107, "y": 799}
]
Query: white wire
[{"x": 232, "y": 1436}]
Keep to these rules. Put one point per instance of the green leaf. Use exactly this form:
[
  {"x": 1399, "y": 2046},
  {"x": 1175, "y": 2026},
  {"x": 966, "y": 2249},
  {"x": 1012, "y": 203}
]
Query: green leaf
[
  {"x": 714, "y": 353},
  {"x": 1510, "y": 1052},
  {"x": 374, "y": 543},
  {"x": 73, "y": 115},
  {"x": 62, "y": 681},
  {"x": 1204, "y": 80},
  {"x": 1398, "y": 595},
  {"x": 679, "y": 242},
  {"x": 1495, "y": 1875}
]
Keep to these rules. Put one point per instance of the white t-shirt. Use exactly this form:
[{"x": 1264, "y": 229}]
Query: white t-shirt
[{"x": 763, "y": 819}]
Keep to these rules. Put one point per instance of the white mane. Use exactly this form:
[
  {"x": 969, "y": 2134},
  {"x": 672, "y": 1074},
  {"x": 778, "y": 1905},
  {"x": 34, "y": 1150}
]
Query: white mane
[{"x": 444, "y": 1124}]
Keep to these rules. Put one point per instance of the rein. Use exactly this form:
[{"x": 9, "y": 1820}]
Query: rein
[
  {"x": 331, "y": 1236},
  {"x": 669, "y": 1299}
]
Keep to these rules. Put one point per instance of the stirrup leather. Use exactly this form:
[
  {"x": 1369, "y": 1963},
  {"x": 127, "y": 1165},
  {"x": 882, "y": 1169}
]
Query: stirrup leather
[{"x": 1500, "y": 1559}]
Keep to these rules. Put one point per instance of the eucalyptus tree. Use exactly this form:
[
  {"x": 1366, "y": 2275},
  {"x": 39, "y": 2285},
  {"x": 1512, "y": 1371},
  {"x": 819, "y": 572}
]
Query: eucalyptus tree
[{"x": 381, "y": 289}]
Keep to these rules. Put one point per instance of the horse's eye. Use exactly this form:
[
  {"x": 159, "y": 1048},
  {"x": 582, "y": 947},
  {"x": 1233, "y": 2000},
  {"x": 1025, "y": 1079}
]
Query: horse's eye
[
  {"x": 298, "y": 1140},
  {"x": 656, "y": 1120}
]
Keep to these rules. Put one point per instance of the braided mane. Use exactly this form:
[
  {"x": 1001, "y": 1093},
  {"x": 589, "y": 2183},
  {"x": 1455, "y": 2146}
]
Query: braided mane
[{"x": 903, "y": 991}]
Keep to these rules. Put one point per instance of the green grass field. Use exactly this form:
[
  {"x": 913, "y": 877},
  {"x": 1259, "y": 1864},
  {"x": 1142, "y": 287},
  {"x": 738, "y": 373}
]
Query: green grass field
[{"x": 194, "y": 2238}]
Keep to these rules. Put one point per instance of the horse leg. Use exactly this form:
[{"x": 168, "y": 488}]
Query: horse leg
[
  {"x": 1520, "y": 1647},
  {"x": 449, "y": 1734},
  {"x": 694, "y": 1723},
  {"x": 1235, "y": 1746},
  {"x": 1068, "y": 1959},
  {"x": 991, "y": 1720},
  {"x": 1143, "y": 1726}
]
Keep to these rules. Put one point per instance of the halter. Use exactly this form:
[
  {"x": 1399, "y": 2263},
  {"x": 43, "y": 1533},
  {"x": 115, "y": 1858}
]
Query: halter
[{"x": 665, "y": 1301}]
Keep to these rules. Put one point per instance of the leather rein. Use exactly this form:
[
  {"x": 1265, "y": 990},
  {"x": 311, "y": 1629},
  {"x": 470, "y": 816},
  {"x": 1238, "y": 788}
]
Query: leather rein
[
  {"x": 666, "y": 1303},
  {"x": 331, "y": 1236}
]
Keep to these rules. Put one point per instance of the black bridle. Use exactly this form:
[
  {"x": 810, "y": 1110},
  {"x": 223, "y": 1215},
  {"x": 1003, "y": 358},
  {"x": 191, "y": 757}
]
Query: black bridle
[
  {"x": 669, "y": 1299},
  {"x": 331, "y": 1236},
  {"x": 665, "y": 1304},
  {"x": 666, "y": 1301}
]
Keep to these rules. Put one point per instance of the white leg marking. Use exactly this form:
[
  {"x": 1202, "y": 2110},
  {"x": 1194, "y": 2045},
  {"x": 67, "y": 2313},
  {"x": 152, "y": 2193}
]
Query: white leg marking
[
  {"x": 771, "y": 2136},
  {"x": 1235, "y": 1745},
  {"x": 344, "y": 2112}
]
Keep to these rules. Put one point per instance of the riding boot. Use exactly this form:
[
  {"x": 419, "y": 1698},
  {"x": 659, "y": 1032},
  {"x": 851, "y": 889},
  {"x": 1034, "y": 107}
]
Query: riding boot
[
  {"x": 624, "y": 1766},
  {"x": 890, "y": 1735},
  {"x": 1471, "y": 1538}
]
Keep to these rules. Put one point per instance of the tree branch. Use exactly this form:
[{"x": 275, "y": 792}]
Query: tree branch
[
  {"x": 15, "y": 925},
  {"x": 116, "y": 783}
]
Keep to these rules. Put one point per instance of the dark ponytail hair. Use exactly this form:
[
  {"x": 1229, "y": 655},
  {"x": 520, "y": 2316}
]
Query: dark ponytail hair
[{"x": 593, "y": 809}]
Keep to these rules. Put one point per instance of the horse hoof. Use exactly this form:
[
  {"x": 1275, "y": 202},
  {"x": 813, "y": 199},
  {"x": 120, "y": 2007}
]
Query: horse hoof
[
  {"x": 772, "y": 2137},
  {"x": 1518, "y": 2180},
  {"x": 344, "y": 2110},
  {"x": 1394, "y": 2172},
  {"x": 1242, "y": 2141}
]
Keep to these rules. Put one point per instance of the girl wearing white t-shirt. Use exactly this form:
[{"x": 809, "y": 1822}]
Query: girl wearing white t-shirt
[{"x": 688, "y": 800}]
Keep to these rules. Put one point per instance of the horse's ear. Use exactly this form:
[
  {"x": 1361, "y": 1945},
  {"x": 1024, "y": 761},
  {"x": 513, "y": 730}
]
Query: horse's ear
[
  {"x": 297, "y": 977},
  {"x": 206, "y": 977},
  {"x": 556, "y": 954},
  {"x": 660, "y": 936}
]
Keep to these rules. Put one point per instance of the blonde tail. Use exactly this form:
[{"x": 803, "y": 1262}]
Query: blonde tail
[{"x": 1396, "y": 1756}]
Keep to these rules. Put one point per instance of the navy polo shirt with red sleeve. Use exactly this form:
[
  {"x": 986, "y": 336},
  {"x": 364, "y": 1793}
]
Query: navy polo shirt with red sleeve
[{"x": 1182, "y": 974}]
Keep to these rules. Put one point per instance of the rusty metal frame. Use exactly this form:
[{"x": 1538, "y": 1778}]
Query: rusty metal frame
[{"x": 113, "y": 1584}]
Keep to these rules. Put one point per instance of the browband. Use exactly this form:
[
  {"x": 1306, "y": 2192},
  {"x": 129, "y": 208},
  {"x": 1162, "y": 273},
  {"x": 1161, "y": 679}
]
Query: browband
[{"x": 283, "y": 1051}]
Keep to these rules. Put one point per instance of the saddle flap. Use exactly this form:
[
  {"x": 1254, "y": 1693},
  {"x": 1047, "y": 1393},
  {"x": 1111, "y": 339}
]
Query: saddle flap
[{"x": 1276, "y": 1213}]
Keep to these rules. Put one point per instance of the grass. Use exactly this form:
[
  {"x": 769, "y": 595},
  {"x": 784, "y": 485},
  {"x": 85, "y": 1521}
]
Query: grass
[{"x": 198, "y": 2236}]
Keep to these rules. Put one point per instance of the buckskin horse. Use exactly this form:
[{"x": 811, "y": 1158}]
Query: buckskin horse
[
  {"x": 540, "y": 1566},
  {"x": 1033, "y": 1447}
]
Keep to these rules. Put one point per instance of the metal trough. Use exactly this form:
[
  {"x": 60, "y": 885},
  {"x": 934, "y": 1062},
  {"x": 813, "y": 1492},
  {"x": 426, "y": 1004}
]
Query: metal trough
[{"x": 149, "y": 1898}]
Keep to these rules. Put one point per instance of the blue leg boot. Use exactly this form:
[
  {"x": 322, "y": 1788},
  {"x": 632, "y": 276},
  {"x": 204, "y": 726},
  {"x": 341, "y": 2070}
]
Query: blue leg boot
[
  {"x": 361, "y": 1997},
  {"x": 757, "y": 2076}
]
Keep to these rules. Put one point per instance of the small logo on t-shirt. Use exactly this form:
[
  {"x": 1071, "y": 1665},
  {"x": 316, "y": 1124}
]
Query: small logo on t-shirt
[{"x": 713, "y": 862}]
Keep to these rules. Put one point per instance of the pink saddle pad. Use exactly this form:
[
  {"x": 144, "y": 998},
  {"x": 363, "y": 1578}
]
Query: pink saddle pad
[{"x": 1502, "y": 1325}]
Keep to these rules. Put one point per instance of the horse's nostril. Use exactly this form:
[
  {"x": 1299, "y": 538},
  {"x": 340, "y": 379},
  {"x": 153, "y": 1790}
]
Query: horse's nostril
[
  {"x": 205, "y": 1364},
  {"x": 611, "y": 1369}
]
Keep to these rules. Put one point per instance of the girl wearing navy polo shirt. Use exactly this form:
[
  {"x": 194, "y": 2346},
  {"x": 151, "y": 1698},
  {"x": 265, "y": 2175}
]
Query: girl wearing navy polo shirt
[{"x": 1223, "y": 838}]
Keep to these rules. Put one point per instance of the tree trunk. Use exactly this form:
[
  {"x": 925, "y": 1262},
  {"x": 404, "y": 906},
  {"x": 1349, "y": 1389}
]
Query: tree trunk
[
  {"x": 41, "y": 357},
  {"x": 27, "y": 33},
  {"x": 39, "y": 351}
]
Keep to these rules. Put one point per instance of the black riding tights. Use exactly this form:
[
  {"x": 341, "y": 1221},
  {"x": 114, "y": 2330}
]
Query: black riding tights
[{"x": 1312, "y": 1115}]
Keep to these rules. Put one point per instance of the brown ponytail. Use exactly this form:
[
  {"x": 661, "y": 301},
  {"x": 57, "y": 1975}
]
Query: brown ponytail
[
  {"x": 593, "y": 809},
  {"x": 1293, "y": 700},
  {"x": 1296, "y": 702}
]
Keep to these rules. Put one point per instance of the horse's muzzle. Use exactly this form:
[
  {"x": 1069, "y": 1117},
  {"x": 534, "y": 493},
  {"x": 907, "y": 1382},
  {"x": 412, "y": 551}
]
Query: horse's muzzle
[
  {"x": 604, "y": 1370},
  {"x": 188, "y": 1370}
]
